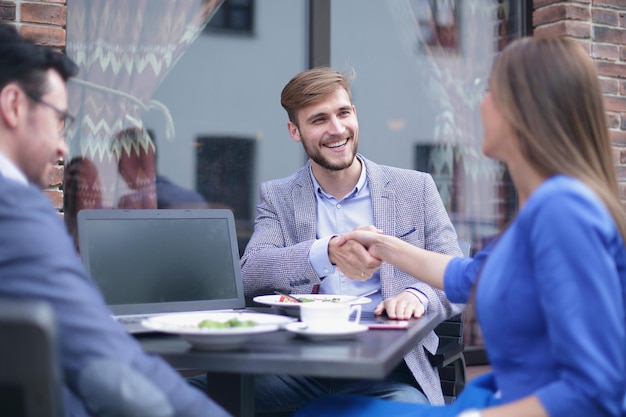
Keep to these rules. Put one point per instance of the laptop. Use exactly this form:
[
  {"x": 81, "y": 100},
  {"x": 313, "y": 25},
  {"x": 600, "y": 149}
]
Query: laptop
[{"x": 149, "y": 262}]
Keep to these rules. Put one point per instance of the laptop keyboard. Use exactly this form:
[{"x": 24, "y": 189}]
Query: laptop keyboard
[{"x": 132, "y": 324}]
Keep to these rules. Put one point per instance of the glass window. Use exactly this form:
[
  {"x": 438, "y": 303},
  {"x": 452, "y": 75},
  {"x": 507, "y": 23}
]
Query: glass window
[{"x": 167, "y": 118}]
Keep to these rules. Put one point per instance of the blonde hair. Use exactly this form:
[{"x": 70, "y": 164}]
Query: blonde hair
[{"x": 549, "y": 91}]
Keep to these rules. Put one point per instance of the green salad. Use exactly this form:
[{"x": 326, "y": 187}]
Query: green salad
[
  {"x": 323, "y": 300},
  {"x": 234, "y": 322}
]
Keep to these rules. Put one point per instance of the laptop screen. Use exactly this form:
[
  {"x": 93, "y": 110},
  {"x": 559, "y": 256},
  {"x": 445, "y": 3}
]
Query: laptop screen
[{"x": 155, "y": 261}]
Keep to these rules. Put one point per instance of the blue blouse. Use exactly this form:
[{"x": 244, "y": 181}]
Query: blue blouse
[{"x": 551, "y": 302}]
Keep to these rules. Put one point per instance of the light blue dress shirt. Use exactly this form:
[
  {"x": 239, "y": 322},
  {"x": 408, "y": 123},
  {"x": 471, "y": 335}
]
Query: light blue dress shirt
[{"x": 11, "y": 171}]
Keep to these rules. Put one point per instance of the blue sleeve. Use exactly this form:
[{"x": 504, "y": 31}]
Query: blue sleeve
[
  {"x": 103, "y": 366},
  {"x": 461, "y": 274},
  {"x": 575, "y": 248}
]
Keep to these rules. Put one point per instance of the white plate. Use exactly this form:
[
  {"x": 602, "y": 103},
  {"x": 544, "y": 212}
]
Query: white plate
[
  {"x": 344, "y": 331},
  {"x": 186, "y": 325},
  {"x": 293, "y": 309}
]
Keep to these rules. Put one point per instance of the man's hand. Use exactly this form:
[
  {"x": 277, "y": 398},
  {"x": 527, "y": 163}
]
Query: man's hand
[
  {"x": 352, "y": 259},
  {"x": 402, "y": 306}
]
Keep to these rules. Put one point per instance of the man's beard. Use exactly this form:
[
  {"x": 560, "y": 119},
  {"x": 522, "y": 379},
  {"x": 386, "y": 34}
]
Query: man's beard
[{"x": 316, "y": 156}]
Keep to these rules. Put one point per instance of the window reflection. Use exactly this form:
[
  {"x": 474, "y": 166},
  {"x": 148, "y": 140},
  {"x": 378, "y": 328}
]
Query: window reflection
[
  {"x": 438, "y": 24},
  {"x": 124, "y": 51},
  {"x": 161, "y": 108}
]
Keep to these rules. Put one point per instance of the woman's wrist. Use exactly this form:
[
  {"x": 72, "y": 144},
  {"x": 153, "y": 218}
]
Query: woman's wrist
[{"x": 474, "y": 412}]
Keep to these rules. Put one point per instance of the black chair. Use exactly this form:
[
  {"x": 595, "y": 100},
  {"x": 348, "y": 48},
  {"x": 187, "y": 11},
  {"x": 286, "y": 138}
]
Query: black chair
[
  {"x": 449, "y": 359},
  {"x": 30, "y": 377}
]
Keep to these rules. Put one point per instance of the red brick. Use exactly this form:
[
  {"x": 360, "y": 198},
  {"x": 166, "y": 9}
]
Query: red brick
[
  {"x": 622, "y": 53},
  {"x": 618, "y": 137},
  {"x": 616, "y": 4},
  {"x": 605, "y": 17},
  {"x": 611, "y": 69},
  {"x": 609, "y": 86},
  {"x": 613, "y": 120},
  {"x": 605, "y": 51},
  {"x": 615, "y": 103},
  {"x": 623, "y": 125},
  {"x": 49, "y": 14},
  {"x": 559, "y": 12},
  {"x": 622, "y": 88},
  {"x": 48, "y": 36},
  {"x": 538, "y": 4},
  {"x": 580, "y": 30},
  {"x": 56, "y": 176},
  {"x": 56, "y": 197},
  {"x": 7, "y": 10},
  {"x": 609, "y": 35}
]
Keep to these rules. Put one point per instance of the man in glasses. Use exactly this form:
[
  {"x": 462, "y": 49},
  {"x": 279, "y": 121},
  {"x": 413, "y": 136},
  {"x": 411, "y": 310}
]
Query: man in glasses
[{"x": 105, "y": 371}]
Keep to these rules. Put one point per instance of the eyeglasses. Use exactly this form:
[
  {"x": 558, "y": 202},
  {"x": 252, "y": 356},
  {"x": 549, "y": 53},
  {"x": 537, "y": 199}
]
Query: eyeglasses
[{"x": 65, "y": 119}]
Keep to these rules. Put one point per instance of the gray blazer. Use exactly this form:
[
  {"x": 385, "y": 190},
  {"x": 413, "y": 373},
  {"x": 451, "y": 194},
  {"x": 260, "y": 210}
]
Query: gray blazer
[{"x": 406, "y": 204}]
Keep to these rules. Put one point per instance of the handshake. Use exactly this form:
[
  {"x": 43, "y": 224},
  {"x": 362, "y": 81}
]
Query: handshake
[
  {"x": 355, "y": 253},
  {"x": 359, "y": 253}
]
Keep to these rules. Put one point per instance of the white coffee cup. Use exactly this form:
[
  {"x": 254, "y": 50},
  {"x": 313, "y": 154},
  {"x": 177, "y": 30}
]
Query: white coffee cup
[{"x": 321, "y": 316}]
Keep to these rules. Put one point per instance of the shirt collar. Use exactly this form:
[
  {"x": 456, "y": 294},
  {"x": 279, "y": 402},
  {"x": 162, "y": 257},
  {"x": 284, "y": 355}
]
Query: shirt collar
[
  {"x": 9, "y": 170},
  {"x": 360, "y": 184}
]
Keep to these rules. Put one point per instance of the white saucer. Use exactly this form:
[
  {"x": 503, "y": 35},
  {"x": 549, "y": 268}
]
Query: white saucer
[{"x": 346, "y": 331}]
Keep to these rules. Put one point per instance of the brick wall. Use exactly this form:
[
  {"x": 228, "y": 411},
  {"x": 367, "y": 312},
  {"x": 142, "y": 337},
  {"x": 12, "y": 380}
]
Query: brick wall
[{"x": 600, "y": 25}]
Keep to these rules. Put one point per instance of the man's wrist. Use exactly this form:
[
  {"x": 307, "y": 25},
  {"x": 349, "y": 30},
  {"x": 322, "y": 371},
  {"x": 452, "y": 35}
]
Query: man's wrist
[
  {"x": 328, "y": 250},
  {"x": 419, "y": 295}
]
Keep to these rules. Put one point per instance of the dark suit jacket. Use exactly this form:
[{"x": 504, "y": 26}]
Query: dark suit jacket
[{"x": 405, "y": 203}]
